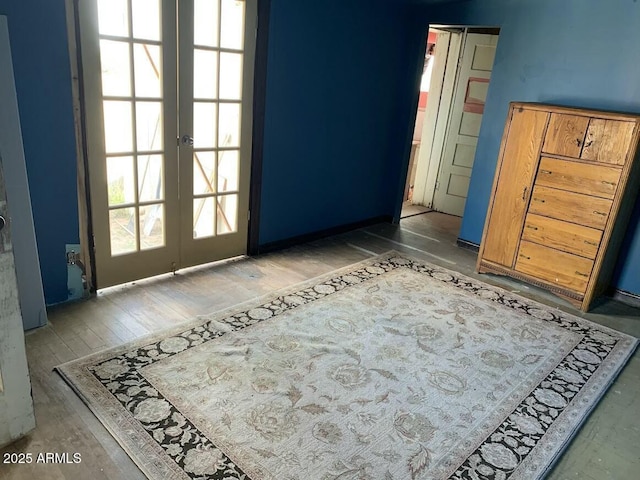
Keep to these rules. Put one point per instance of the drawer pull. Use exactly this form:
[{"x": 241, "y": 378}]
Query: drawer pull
[
  {"x": 588, "y": 144},
  {"x": 578, "y": 142},
  {"x": 532, "y": 227},
  {"x": 548, "y": 172},
  {"x": 541, "y": 200},
  {"x": 581, "y": 274},
  {"x": 599, "y": 213},
  {"x": 611, "y": 184},
  {"x": 524, "y": 256},
  {"x": 595, "y": 244}
]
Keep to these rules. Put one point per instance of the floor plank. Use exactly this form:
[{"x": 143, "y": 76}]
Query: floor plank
[{"x": 605, "y": 447}]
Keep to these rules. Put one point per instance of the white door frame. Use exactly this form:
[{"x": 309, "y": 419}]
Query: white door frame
[{"x": 446, "y": 72}]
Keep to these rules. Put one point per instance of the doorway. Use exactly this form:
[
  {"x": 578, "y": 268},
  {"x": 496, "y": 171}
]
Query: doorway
[
  {"x": 167, "y": 97},
  {"x": 462, "y": 64}
]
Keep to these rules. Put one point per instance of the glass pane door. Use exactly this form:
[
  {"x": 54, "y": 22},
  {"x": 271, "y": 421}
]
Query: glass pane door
[
  {"x": 214, "y": 102},
  {"x": 131, "y": 146},
  {"x": 169, "y": 148}
]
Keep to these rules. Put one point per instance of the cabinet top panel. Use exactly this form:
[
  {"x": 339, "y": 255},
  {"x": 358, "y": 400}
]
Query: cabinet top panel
[{"x": 586, "y": 112}]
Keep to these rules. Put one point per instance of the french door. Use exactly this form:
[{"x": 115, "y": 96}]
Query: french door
[{"x": 168, "y": 97}]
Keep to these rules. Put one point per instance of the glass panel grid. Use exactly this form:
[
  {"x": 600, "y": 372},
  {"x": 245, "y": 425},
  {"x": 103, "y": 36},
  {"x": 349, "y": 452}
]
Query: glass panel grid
[
  {"x": 146, "y": 19},
  {"x": 219, "y": 35},
  {"x": 227, "y": 214},
  {"x": 152, "y": 226},
  {"x": 204, "y": 217},
  {"x": 133, "y": 123},
  {"x": 120, "y": 184},
  {"x": 123, "y": 232},
  {"x": 228, "y": 171},
  {"x": 150, "y": 178},
  {"x": 115, "y": 64},
  {"x": 232, "y": 24},
  {"x": 113, "y": 17},
  {"x": 204, "y": 172},
  {"x": 147, "y": 70},
  {"x": 206, "y": 24}
]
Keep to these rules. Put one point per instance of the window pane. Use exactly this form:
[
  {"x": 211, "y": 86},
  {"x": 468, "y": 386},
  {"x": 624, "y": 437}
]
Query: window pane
[
  {"x": 151, "y": 226},
  {"x": 205, "y": 64},
  {"x": 118, "y": 135},
  {"x": 148, "y": 69},
  {"x": 203, "y": 172},
  {"x": 206, "y": 22},
  {"x": 149, "y": 126},
  {"x": 146, "y": 19},
  {"x": 116, "y": 75},
  {"x": 230, "y": 76},
  {"x": 150, "y": 178},
  {"x": 229, "y": 132},
  {"x": 203, "y": 217},
  {"x": 122, "y": 230},
  {"x": 113, "y": 18},
  {"x": 204, "y": 125},
  {"x": 232, "y": 24},
  {"x": 228, "y": 170},
  {"x": 120, "y": 180},
  {"x": 227, "y": 214}
]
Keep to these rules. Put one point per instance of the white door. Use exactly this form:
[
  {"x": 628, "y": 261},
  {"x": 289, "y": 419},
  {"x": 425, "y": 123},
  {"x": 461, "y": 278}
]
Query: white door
[
  {"x": 16, "y": 405},
  {"x": 168, "y": 95},
  {"x": 465, "y": 118}
]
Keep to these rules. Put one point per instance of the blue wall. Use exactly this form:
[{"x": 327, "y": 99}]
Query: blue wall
[
  {"x": 582, "y": 53},
  {"x": 38, "y": 35},
  {"x": 341, "y": 90},
  {"x": 341, "y": 94}
]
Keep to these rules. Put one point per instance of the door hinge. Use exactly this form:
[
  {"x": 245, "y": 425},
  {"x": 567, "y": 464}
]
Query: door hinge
[
  {"x": 248, "y": 215},
  {"x": 437, "y": 185}
]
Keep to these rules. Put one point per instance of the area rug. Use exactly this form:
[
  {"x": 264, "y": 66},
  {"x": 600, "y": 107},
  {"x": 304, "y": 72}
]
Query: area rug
[{"x": 390, "y": 369}]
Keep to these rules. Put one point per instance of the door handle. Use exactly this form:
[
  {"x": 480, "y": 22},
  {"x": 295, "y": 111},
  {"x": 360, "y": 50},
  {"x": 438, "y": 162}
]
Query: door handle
[
  {"x": 185, "y": 141},
  {"x": 3, "y": 222}
]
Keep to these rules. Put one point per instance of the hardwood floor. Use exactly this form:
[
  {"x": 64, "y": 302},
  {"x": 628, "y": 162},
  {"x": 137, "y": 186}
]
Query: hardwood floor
[{"x": 605, "y": 448}]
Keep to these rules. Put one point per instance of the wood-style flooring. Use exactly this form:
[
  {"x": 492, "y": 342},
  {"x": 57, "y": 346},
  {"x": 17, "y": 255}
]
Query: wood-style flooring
[{"x": 605, "y": 448}]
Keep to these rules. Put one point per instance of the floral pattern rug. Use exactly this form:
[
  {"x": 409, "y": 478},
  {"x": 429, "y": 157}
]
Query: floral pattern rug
[{"x": 389, "y": 369}]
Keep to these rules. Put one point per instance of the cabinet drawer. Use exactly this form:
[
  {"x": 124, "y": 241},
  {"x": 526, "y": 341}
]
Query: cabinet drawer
[
  {"x": 569, "y": 237},
  {"x": 608, "y": 141},
  {"x": 554, "y": 267},
  {"x": 565, "y": 134},
  {"x": 570, "y": 207},
  {"x": 597, "y": 180}
]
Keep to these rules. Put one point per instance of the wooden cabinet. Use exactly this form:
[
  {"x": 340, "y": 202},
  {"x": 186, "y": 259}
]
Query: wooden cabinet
[{"x": 564, "y": 188}]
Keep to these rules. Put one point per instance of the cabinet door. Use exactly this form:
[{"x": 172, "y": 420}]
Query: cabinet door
[
  {"x": 608, "y": 141},
  {"x": 565, "y": 134},
  {"x": 517, "y": 167}
]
